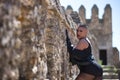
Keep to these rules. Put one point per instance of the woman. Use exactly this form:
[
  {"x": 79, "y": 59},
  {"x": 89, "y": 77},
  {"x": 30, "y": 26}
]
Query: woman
[{"x": 81, "y": 56}]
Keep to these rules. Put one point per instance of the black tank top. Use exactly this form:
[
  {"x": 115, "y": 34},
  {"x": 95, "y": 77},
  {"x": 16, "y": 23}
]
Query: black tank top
[{"x": 87, "y": 58}]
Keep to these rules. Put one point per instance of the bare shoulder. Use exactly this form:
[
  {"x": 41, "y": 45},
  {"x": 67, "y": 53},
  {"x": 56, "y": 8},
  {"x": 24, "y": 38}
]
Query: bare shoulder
[{"x": 83, "y": 44}]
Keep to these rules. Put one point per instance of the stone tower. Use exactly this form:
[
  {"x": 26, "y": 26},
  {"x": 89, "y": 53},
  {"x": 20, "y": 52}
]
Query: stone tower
[
  {"x": 73, "y": 14},
  {"x": 69, "y": 9},
  {"x": 82, "y": 14}
]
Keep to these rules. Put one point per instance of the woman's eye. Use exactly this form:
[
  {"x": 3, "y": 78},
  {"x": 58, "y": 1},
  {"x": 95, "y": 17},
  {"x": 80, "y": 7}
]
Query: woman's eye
[{"x": 81, "y": 31}]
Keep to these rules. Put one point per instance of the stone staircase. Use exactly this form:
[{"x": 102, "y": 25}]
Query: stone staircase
[{"x": 110, "y": 73}]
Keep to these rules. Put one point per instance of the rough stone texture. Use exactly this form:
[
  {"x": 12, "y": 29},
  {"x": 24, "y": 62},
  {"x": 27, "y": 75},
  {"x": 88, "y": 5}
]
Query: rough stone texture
[
  {"x": 116, "y": 61},
  {"x": 32, "y": 40},
  {"x": 82, "y": 14}
]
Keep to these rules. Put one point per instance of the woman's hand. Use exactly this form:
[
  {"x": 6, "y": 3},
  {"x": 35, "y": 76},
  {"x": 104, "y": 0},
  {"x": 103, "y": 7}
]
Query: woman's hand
[{"x": 67, "y": 37}]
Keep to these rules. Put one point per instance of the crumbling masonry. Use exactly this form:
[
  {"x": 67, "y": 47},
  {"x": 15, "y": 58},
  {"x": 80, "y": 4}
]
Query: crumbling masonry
[{"x": 32, "y": 40}]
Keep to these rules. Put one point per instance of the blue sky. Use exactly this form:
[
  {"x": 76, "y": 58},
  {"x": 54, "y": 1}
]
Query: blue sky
[{"x": 88, "y": 4}]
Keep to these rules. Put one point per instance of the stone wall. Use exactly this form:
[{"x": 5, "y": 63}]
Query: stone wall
[
  {"x": 32, "y": 40},
  {"x": 116, "y": 60}
]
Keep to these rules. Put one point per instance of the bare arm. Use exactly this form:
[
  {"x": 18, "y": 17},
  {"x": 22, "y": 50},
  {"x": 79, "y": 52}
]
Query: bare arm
[{"x": 83, "y": 44}]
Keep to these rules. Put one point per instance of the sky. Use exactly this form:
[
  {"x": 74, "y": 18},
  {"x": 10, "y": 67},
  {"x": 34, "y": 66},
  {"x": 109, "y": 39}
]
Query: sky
[{"x": 88, "y": 4}]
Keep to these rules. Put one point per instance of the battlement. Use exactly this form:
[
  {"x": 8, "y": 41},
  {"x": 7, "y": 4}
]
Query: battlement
[{"x": 94, "y": 14}]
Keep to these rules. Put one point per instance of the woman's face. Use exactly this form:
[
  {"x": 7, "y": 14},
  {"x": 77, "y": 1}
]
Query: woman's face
[{"x": 81, "y": 32}]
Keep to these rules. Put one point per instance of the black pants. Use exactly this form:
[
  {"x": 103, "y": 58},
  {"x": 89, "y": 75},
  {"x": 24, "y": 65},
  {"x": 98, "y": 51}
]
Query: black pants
[{"x": 93, "y": 68}]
